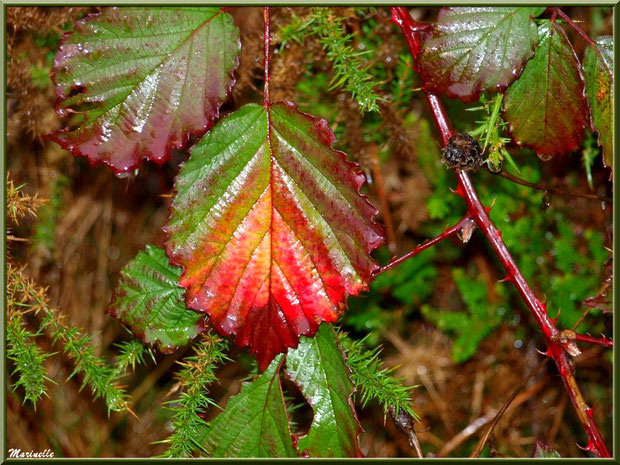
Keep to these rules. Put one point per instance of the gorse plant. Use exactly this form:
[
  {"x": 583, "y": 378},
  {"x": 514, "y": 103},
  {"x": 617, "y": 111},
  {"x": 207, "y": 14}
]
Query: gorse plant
[{"x": 269, "y": 235}]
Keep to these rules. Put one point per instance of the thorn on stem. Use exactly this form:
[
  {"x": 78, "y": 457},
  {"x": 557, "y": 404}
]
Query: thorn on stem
[{"x": 506, "y": 278}]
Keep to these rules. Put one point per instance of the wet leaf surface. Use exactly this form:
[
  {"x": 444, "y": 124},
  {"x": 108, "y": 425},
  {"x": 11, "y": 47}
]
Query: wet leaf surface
[
  {"x": 149, "y": 300},
  {"x": 270, "y": 228},
  {"x": 254, "y": 423},
  {"x": 474, "y": 49},
  {"x": 317, "y": 367},
  {"x": 599, "y": 74},
  {"x": 546, "y": 107},
  {"x": 142, "y": 80}
]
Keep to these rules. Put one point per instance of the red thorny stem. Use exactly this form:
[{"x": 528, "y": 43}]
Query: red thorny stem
[
  {"x": 555, "y": 349},
  {"x": 572, "y": 24},
  {"x": 601, "y": 341},
  {"x": 458, "y": 227}
]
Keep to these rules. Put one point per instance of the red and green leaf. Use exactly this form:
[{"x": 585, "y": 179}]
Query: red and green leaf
[
  {"x": 546, "y": 106},
  {"x": 149, "y": 300},
  {"x": 254, "y": 423},
  {"x": 475, "y": 49},
  {"x": 599, "y": 72},
  {"x": 270, "y": 228},
  {"x": 317, "y": 367},
  {"x": 142, "y": 80}
]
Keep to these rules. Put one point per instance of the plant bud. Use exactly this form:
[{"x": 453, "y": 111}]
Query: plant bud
[{"x": 462, "y": 153}]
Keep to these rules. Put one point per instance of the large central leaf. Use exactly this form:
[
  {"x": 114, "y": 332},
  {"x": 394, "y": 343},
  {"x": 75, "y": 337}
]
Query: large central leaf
[
  {"x": 144, "y": 80},
  {"x": 476, "y": 49},
  {"x": 270, "y": 227}
]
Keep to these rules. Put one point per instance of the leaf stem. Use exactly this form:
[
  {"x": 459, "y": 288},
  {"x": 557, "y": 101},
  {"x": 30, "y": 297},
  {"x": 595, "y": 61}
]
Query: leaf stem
[
  {"x": 267, "y": 40},
  {"x": 555, "y": 350}
]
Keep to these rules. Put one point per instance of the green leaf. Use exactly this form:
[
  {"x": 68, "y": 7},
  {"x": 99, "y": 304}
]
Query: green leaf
[
  {"x": 149, "y": 300},
  {"x": 599, "y": 72},
  {"x": 475, "y": 49},
  {"x": 546, "y": 107},
  {"x": 543, "y": 451},
  {"x": 317, "y": 367},
  {"x": 255, "y": 423},
  {"x": 270, "y": 228},
  {"x": 144, "y": 79}
]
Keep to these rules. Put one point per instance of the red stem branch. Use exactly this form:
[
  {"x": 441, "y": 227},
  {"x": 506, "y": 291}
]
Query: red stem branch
[
  {"x": 267, "y": 41},
  {"x": 572, "y": 24},
  {"x": 447, "y": 233},
  {"x": 555, "y": 350},
  {"x": 558, "y": 11},
  {"x": 602, "y": 341}
]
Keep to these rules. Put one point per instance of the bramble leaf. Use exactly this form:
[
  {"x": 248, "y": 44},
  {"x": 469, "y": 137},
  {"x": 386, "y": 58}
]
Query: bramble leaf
[
  {"x": 546, "y": 107},
  {"x": 317, "y": 367},
  {"x": 143, "y": 79},
  {"x": 270, "y": 228},
  {"x": 599, "y": 71},
  {"x": 149, "y": 300},
  {"x": 475, "y": 49},
  {"x": 254, "y": 423}
]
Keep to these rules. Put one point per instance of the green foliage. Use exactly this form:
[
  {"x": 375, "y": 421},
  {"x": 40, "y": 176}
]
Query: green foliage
[
  {"x": 49, "y": 214},
  {"x": 588, "y": 155},
  {"x": 197, "y": 374},
  {"x": 97, "y": 374},
  {"x": 131, "y": 352},
  {"x": 27, "y": 357},
  {"x": 413, "y": 281},
  {"x": 150, "y": 301},
  {"x": 350, "y": 71},
  {"x": 255, "y": 422},
  {"x": 472, "y": 325},
  {"x": 317, "y": 367},
  {"x": 489, "y": 132},
  {"x": 393, "y": 296},
  {"x": 376, "y": 383}
]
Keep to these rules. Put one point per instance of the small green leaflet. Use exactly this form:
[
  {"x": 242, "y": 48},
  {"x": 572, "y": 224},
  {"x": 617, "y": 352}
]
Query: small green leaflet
[
  {"x": 149, "y": 300},
  {"x": 474, "y": 49},
  {"x": 599, "y": 71},
  {"x": 546, "y": 107},
  {"x": 317, "y": 367},
  {"x": 255, "y": 423}
]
